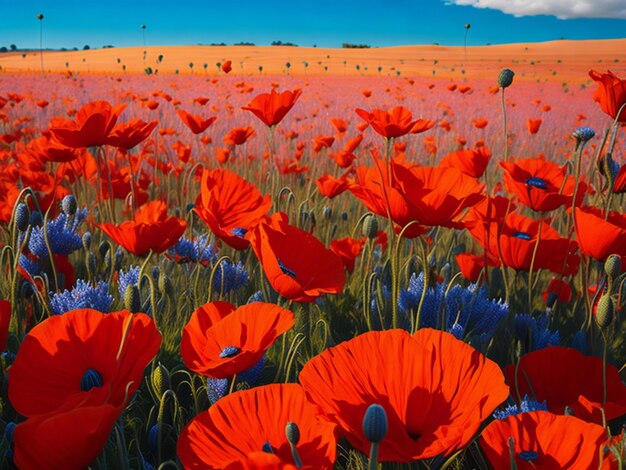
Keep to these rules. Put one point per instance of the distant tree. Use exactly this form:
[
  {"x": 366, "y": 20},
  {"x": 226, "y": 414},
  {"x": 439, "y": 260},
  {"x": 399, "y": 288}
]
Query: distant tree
[
  {"x": 380, "y": 69},
  {"x": 148, "y": 70},
  {"x": 160, "y": 59},
  {"x": 4, "y": 49},
  {"x": 260, "y": 69},
  {"x": 86, "y": 47},
  {"x": 119, "y": 60},
  {"x": 191, "y": 66},
  {"x": 13, "y": 47}
]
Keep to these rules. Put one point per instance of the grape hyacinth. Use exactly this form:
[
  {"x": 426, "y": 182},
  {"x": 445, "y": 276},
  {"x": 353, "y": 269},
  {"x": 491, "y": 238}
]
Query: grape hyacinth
[
  {"x": 83, "y": 295},
  {"x": 62, "y": 235},
  {"x": 467, "y": 312}
]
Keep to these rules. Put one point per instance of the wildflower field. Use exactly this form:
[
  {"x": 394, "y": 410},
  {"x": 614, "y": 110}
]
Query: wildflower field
[{"x": 218, "y": 271}]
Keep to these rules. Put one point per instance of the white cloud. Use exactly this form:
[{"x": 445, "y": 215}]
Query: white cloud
[{"x": 563, "y": 9}]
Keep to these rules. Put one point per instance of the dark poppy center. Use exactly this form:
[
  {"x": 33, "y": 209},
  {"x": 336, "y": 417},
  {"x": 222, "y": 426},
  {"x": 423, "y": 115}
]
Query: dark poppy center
[
  {"x": 91, "y": 378},
  {"x": 239, "y": 232},
  {"x": 267, "y": 448},
  {"x": 286, "y": 270},
  {"x": 528, "y": 455},
  {"x": 230, "y": 351},
  {"x": 537, "y": 182},
  {"x": 522, "y": 235}
]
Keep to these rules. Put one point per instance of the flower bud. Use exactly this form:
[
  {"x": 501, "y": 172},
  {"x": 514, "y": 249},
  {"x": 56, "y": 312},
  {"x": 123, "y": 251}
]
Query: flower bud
[
  {"x": 505, "y": 78},
  {"x": 292, "y": 432},
  {"x": 22, "y": 217},
  {"x": 375, "y": 423},
  {"x": 583, "y": 134},
  {"x": 69, "y": 206},
  {"x": 87, "y": 240},
  {"x": 104, "y": 248},
  {"x": 605, "y": 311},
  {"x": 613, "y": 267},
  {"x": 370, "y": 226},
  {"x": 160, "y": 379},
  {"x": 132, "y": 299},
  {"x": 35, "y": 219}
]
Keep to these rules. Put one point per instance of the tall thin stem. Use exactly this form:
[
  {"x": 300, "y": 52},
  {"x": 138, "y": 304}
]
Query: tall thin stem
[{"x": 506, "y": 137}]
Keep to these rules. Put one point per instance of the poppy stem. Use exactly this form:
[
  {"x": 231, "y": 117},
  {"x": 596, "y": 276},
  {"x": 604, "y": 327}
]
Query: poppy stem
[
  {"x": 532, "y": 265},
  {"x": 506, "y": 137},
  {"x": 373, "y": 460},
  {"x": 604, "y": 385}
]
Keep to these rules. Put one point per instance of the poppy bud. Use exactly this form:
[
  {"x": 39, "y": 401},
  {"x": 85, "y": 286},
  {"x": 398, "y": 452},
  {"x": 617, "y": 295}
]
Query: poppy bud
[
  {"x": 344, "y": 216},
  {"x": 505, "y": 78},
  {"x": 160, "y": 379},
  {"x": 119, "y": 257},
  {"x": 35, "y": 219},
  {"x": 328, "y": 213},
  {"x": 292, "y": 432},
  {"x": 375, "y": 423},
  {"x": 104, "y": 248},
  {"x": 91, "y": 261},
  {"x": 613, "y": 266},
  {"x": 293, "y": 436},
  {"x": 22, "y": 217},
  {"x": 165, "y": 286},
  {"x": 583, "y": 134},
  {"x": 26, "y": 290},
  {"x": 370, "y": 226},
  {"x": 605, "y": 311},
  {"x": 69, "y": 205},
  {"x": 155, "y": 273},
  {"x": 87, "y": 240},
  {"x": 607, "y": 166},
  {"x": 132, "y": 299}
]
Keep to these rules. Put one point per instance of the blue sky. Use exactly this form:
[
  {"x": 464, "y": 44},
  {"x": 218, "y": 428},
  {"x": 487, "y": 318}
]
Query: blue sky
[{"x": 327, "y": 23}]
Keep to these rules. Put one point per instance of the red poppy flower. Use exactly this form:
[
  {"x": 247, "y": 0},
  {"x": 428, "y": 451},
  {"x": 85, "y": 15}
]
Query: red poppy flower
[
  {"x": 71, "y": 438},
  {"x": 130, "y": 134},
  {"x": 329, "y": 186},
  {"x": 436, "y": 395},
  {"x": 263, "y": 461},
  {"x": 540, "y": 184},
  {"x": 92, "y": 126},
  {"x": 227, "y": 66},
  {"x": 340, "y": 125},
  {"x": 471, "y": 266},
  {"x": 246, "y": 421},
  {"x": 196, "y": 124},
  {"x": 543, "y": 440},
  {"x": 480, "y": 123},
  {"x": 230, "y": 206},
  {"x": 599, "y": 238},
  {"x": 47, "y": 149},
  {"x": 297, "y": 265},
  {"x": 322, "y": 142},
  {"x": 272, "y": 107},
  {"x": 565, "y": 377},
  {"x": 82, "y": 357},
  {"x": 472, "y": 162},
  {"x": 533, "y": 125},
  {"x": 150, "y": 230},
  {"x": 239, "y": 135},
  {"x": 560, "y": 289},
  {"x": 428, "y": 195},
  {"x": 348, "y": 249},
  {"x": 393, "y": 123},
  {"x": 5, "y": 321},
  {"x": 220, "y": 341},
  {"x": 515, "y": 244},
  {"x": 610, "y": 94},
  {"x": 422, "y": 125}
]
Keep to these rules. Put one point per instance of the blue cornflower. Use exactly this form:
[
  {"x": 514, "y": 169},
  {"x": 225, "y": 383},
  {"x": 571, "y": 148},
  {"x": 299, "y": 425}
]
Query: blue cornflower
[
  {"x": 229, "y": 277},
  {"x": 256, "y": 297},
  {"x": 467, "y": 312},
  {"x": 193, "y": 251},
  {"x": 83, "y": 295},
  {"x": 217, "y": 388},
  {"x": 534, "y": 333},
  {"x": 128, "y": 278},
  {"x": 62, "y": 235},
  {"x": 31, "y": 267},
  {"x": 525, "y": 406}
]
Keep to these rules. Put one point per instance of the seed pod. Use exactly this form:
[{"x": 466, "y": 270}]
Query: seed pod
[
  {"x": 370, "y": 226},
  {"x": 132, "y": 299},
  {"x": 375, "y": 423},
  {"x": 69, "y": 206},
  {"x": 22, "y": 217},
  {"x": 605, "y": 311},
  {"x": 613, "y": 267},
  {"x": 505, "y": 78}
]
